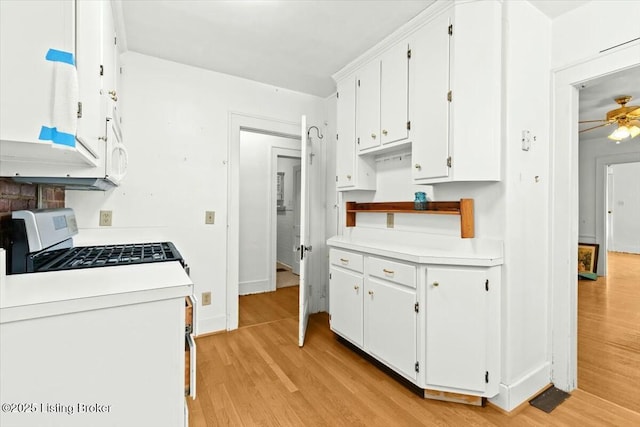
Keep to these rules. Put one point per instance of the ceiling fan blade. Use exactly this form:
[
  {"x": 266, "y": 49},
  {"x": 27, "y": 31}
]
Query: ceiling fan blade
[
  {"x": 596, "y": 127},
  {"x": 593, "y": 121}
]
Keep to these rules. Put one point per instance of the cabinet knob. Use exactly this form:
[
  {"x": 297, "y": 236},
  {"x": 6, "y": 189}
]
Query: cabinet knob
[
  {"x": 384, "y": 132},
  {"x": 344, "y": 261},
  {"x": 418, "y": 167},
  {"x": 113, "y": 94},
  {"x": 349, "y": 177},
  {"x": 373, "y": 135},
  {"x": 436, "y": 284},
  {"x": 371, "y": 293},
  {"x": 356, "y": 287}
]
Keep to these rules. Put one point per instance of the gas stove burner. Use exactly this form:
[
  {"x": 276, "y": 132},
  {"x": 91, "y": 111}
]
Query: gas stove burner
[{"x": 101, "y": 256}]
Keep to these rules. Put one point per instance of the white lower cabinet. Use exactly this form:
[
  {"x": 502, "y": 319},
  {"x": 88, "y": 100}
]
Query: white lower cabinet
[
  {"x": 346, "y": 299},
  {"x": 462, "y": 329},
  {"x": 436, "y": 325},
  {"x": 390, "y": 325}
]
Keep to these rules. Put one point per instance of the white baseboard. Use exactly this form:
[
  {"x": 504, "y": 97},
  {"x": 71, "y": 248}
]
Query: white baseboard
[
  {"x": 254, "y": 287},
  {"x": 212, "y": 324},
  {"x": 512, "y": 395}
]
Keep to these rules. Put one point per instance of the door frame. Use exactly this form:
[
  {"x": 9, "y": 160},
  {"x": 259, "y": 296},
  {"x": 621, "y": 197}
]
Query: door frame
[
  {"x": 238, "y": 122},
  {"x": 564, "y": 209}
]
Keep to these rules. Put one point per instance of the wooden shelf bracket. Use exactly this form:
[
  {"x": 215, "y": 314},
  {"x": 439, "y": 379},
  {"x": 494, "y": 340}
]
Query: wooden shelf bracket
[{"x": 463, "y": 208}]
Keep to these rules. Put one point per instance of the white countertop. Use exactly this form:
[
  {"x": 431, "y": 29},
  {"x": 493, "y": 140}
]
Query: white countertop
[
  {"x": 43, "y": 294},
  {"x": 421, "y": 248}
]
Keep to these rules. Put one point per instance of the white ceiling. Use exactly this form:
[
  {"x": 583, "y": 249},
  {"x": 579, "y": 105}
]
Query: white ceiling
[
  {"x": 299, "y": 44},
  {"x": 292, "y": 44}
]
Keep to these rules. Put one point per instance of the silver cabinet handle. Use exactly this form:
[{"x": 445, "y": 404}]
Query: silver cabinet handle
[{"x": 344, "y": 261}]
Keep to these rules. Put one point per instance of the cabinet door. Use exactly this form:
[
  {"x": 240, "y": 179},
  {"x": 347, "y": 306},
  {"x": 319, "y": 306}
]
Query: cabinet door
[
  {"x": 429, "y": 107},
  {"x": 390, "y": 325},
  {"x": 394, "y": 94},
  {"x": 346, "y": 125},
  {"x": 456, "y": 333},
  {"x": 368, "y": 106},
  {"x": 28, "y": 29},
  {"x": 92, "y": 123},
  {"x": 109, "y": 62},
  {"x": 345, "y": 304}
]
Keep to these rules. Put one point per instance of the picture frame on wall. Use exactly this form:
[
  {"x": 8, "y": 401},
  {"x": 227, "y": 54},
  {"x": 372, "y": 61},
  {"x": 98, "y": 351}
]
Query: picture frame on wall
[{"x": 588, "y": 257}]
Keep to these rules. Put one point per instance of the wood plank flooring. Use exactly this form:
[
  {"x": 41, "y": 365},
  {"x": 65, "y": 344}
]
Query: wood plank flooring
[
  {"x": 609, "y": 332},
  {"x": 257, "y": 375}
]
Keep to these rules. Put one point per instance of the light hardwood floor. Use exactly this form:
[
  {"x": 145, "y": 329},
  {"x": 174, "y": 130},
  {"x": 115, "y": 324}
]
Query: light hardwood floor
[
  {"x": 609, "y": 332},
  {"x": 257, "y": 375}
]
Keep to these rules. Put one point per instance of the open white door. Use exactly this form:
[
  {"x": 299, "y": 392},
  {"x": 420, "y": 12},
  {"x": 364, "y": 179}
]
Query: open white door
[{"x": 305, "y": 246}]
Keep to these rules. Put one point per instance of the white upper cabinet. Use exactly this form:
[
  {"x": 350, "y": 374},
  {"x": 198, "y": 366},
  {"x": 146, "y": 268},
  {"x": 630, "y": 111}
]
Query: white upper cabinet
[
  {"x": 368, "y": 106},
  {"x": 352, "y": 172},
  {"x": 429, "y": 82},
  {"x": 36, "y": 88},
  {"x": 382, "y": 99},
  {"x": 394, "y": 94},
  {"x": 91, "y": 126},
  {"x": 438, "y": 85},
  {"x": 28, "y": 30},
  {"x": 460, "y": 55}
]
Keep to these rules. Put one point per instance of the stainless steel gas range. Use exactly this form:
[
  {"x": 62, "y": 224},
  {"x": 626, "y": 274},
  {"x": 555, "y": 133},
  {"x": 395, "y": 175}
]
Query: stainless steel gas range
[{"x": 42, "y": 240}]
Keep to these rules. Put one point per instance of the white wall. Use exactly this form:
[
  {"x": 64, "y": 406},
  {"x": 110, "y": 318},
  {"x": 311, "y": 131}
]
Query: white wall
[
  {"x": 175, "y": 122},
  {"x": 285, "y": 218},
  {"x": 257, "y": 209},
  {"x": 592, "y": 153},
  {"x": 626, "y": 208}
]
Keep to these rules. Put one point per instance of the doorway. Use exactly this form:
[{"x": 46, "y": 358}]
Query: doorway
[
  {"x": 266, "y": 161},
  {"x": 564, "y": 207},
  {"x": 288, "y": 222}
]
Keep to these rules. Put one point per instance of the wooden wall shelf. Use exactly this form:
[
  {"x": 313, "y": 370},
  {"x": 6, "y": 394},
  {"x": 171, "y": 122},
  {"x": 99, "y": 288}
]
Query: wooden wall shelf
[{"x": 463, "y": 208}]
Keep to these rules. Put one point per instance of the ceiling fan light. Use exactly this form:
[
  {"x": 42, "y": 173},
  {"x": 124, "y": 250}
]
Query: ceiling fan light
[
  {"x": 621, "y": 133},
  {"x": 634, "y": 131}
]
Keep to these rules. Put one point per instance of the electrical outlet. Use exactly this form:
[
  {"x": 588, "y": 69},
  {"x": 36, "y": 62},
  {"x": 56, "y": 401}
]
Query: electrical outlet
[
  {"x": 105, "y": 218},
  {"x": 206, "y": 298},
  {"x": 210, "y": 217},
  {"x": 389, "y": 220}
]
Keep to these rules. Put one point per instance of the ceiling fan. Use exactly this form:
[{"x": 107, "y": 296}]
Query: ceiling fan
[{"x": 626, "y": 117}]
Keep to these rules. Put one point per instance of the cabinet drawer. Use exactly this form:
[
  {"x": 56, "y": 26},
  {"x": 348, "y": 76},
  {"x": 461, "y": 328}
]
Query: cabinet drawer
[
  {"x": 403, "y": 274},
  {"x": 344, "y": 259}
]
